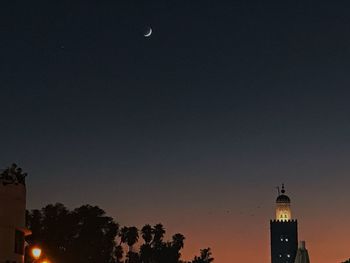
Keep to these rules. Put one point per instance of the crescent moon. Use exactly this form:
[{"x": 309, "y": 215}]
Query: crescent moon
[{"x": 149, "y": 32}]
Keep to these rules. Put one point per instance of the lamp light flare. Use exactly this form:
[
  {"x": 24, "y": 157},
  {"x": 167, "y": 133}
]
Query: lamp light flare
[{"x": 36, "y": 252}]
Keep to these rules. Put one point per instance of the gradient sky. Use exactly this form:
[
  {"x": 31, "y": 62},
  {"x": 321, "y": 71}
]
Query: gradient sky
[{"x": 193, "y": 127}]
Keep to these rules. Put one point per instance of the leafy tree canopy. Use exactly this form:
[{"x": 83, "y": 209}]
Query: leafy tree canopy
[
  {"x": 83, "y": 235},
  {"x": 87, "y": 235}
]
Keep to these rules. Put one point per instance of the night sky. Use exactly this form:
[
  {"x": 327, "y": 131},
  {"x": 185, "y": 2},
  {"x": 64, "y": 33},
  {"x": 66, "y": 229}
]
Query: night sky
[{"x": 194, "y": 126}]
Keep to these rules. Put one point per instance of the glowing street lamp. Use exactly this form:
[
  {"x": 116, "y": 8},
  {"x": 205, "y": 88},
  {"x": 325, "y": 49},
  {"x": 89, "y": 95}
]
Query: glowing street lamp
[{"x": 36, "y": 252}]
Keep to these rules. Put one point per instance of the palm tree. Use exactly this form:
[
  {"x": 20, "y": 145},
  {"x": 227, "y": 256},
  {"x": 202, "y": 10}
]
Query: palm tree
[
  {"x": 146, "y": 249},
  {"x": 132, "y": 237},
  {"x": 157, "y": 244},
  {"x": 158, "y": 232},
  {"x": 147, "y": 233},
  {"x": 123, "y": 235},
  {"x": 178, "y": 241}
]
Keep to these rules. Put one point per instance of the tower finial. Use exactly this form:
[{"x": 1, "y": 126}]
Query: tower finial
[{"x": 283, "y": 191}]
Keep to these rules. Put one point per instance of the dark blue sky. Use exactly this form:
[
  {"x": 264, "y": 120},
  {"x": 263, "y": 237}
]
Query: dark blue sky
[{"x": 224, "y": 98}]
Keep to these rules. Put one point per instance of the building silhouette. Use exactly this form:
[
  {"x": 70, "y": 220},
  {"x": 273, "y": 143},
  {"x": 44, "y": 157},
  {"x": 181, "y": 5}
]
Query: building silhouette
[
  {"x": 12, "y": 215},
  {"x": 302, "y": 254},
  {"x": 284, "y": 231}
]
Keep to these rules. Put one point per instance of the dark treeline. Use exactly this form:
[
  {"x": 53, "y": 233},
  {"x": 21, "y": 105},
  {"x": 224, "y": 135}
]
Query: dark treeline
[{"x": 87, "y": 235}]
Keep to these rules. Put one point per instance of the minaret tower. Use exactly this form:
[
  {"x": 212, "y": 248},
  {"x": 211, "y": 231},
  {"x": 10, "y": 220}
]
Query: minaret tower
[
  {"x": 284, "y": 231},
  {"x": 283, "y": 210}
]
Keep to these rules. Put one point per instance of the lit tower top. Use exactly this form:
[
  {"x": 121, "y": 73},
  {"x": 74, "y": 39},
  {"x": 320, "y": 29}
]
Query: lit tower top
[{"x": 283, "y": 210}]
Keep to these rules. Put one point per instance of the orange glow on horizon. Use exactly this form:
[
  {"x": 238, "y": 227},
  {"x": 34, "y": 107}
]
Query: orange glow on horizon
[{"x": 252, "y": 243}]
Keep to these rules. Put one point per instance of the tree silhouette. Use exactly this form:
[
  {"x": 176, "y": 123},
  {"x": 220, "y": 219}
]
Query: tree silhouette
[
  {"x": 205, "y": 257},
  {"x": 123, "y": 234},
  {"x": 146, "y": 249},
  {"x": 95, "y": 234},
  {"x": 178, "y": 241},
  {"x": 118, "y": 254},
  {"x": 146, "y": 253},
  {"x": 147, "y": 233},
  {"x": 87, "y": 235},
  {"x": 132, "y": 237},
  {"x": 158, "y": 232},
  {"x": 84, "y": 235}
]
